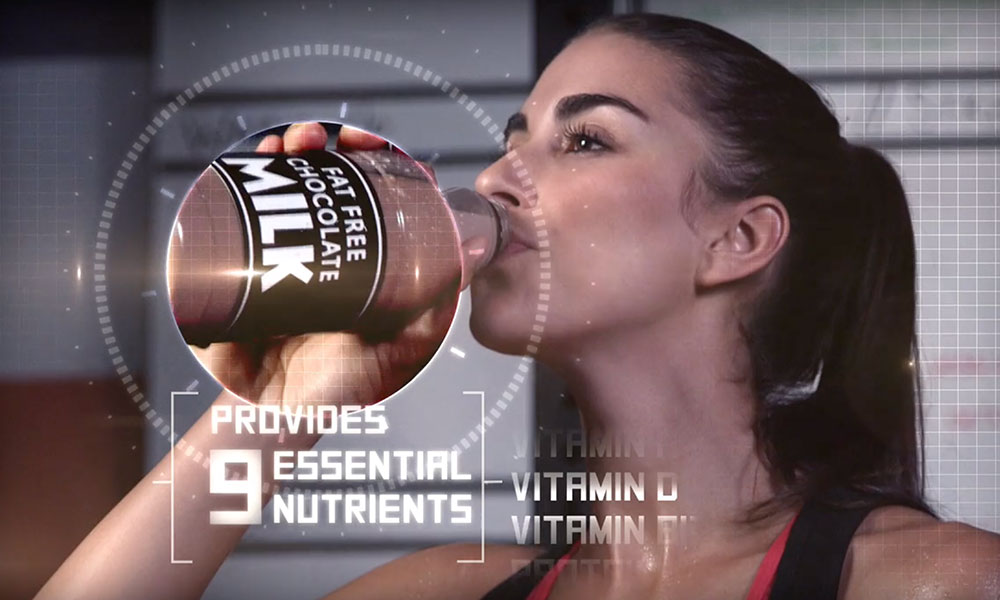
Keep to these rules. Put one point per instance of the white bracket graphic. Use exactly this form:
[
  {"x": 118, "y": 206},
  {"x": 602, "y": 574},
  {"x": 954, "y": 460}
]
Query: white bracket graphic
[
  {"x": 482, "y": 480},
  {"x": 170, "y": 482}
]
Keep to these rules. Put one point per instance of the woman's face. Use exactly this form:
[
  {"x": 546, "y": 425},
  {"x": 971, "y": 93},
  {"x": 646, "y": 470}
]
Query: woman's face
[{"x": 604, "y": 178}]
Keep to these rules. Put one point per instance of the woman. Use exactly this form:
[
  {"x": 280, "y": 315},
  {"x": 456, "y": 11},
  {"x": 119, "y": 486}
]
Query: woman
[{"x": 730, "y": 280}]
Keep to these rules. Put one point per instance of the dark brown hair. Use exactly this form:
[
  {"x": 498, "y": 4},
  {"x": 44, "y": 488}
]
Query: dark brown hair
[{"x": 833, "y": 337}]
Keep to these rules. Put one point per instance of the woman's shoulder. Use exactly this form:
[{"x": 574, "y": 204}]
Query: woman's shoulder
[
  {"x": 900, "y": 552},
  {"x": 441, "y": 572}
]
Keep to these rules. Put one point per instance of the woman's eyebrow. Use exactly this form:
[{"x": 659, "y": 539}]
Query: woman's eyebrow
[
  {"x": 577, "y": 103},
  {"x": 572, "y": 105}
]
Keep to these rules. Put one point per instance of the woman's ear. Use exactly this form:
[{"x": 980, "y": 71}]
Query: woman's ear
[{"x": 743, "y": 239}]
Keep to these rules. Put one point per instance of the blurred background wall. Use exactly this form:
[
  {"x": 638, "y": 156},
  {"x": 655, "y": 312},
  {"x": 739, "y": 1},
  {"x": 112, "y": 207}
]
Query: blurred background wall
[
  {"x": 74, "y": 89},
  {"x": 89, "y": 356}
]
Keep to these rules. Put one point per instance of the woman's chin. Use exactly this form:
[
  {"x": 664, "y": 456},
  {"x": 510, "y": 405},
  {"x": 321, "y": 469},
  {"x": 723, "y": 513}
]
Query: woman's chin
[
  {"x": 500, "y": 326},
  {"x": 500, "y": 318},
  {"x": 498, "y": 336}
]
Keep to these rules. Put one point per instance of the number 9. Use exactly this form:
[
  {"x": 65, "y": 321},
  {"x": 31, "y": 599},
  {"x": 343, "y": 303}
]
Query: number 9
[{"x": 250, "y": 487}]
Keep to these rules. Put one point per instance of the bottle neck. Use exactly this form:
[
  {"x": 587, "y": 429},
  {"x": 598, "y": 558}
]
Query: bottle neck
[
  {"x": 503, "y": 227},
  {"x": 483, "y": 224}
]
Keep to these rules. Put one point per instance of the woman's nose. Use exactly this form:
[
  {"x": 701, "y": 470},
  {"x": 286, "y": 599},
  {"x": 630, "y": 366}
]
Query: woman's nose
[{"x": 501, "y": 181}]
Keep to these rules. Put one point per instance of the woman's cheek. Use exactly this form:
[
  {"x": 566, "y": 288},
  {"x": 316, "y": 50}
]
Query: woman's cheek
[
  {"x": 602, "y": 222},
  {"x": 620, "y": 248}
]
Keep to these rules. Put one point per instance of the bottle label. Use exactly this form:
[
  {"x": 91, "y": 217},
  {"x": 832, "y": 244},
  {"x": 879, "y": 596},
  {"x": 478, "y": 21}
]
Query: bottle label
[{"x": 316, "y": 240}]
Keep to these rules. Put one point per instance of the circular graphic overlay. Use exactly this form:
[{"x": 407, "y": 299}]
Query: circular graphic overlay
[
  {"x": 322, "y": 276},
  {"x": 270, "y": 57}
]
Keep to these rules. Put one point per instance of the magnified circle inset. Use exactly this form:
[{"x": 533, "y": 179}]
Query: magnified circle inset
[{"x": 326, "y": 276}]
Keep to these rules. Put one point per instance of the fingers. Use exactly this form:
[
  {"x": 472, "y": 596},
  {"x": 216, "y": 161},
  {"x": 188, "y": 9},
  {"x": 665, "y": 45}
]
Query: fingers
[
  {"x": 350, "y": 138},
  {"x": 271, "y": 143},
  {"x": 300, "y": 137},
  {"x": 413, "y": 347},
  {"x": 427, "y": 328}
]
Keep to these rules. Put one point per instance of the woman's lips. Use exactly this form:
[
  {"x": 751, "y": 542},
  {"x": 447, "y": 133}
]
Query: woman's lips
[{"x": 513, "y": 247}]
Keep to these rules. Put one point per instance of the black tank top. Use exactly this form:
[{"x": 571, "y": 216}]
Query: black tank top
[{"x": 810, "y": 566}]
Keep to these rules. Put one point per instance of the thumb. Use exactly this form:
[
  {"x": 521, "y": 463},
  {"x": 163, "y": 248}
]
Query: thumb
[{"x": 350, "y": 138}]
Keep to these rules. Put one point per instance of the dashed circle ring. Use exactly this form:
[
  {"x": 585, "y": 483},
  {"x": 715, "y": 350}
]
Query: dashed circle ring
[{"x": 285, "y": 53}]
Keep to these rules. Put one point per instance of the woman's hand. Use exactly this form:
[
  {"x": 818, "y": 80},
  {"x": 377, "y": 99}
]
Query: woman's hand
[{"x": 328, "y": 368}]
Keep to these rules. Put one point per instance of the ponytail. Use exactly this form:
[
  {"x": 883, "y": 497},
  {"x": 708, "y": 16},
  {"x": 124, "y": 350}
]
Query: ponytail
[{"x": 855, "y": 424}]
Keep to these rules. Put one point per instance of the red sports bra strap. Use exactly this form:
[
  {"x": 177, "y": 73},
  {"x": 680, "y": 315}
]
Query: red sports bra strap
[
  {"x": 764, "y": 579},
  {"x": 759, "y": 590},
  {"x": 544, "y": 587}
]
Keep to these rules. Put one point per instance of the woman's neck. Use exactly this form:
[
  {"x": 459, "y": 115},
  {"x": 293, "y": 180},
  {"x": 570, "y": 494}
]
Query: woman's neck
[{"x": 672, "y": 394}]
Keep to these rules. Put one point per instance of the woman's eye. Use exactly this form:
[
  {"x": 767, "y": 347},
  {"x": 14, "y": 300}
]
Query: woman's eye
[
  {"x": 576, "y": 142},
  {"x": 584, "y": 143}
]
